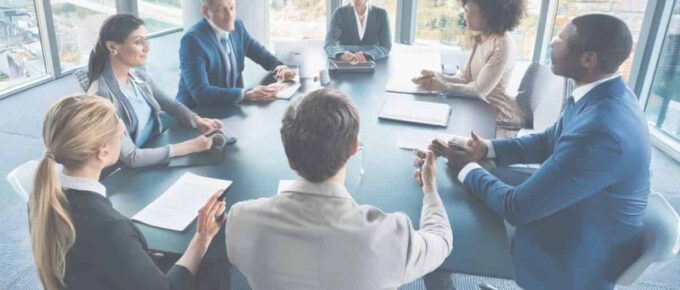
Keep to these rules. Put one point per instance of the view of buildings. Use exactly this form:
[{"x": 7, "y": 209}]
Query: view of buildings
[
  {"x": 21, "y": 56},
  {"x": 663, "y": 105}
]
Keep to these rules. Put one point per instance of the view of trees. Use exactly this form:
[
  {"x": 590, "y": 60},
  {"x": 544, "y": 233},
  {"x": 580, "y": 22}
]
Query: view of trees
[{"x": 298, "y": 19}]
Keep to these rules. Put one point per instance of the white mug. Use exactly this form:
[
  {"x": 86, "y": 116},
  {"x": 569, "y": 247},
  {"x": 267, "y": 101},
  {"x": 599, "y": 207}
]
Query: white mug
[{"x": 324, "y": 78}]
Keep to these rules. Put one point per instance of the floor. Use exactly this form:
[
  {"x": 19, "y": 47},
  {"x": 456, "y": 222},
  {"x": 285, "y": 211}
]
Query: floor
[{"x": 20, "y": 133}]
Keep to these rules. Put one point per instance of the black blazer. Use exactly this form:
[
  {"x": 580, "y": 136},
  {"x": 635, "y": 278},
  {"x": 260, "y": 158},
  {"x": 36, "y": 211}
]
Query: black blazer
[
  {"x": 110, "y": 252},
  {"x": 343, "y": 36}
]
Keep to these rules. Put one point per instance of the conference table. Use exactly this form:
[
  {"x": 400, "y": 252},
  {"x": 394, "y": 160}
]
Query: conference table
[{"x": 257, "y": 162}]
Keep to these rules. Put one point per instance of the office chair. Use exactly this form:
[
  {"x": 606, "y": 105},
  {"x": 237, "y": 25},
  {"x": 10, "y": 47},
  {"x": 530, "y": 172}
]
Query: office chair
[
  {"x": 541, "y": 97},
  {"x": 21, "y": 178},
  {"x": 81, "y": 76},
  {"x": 661, "y": 239}
]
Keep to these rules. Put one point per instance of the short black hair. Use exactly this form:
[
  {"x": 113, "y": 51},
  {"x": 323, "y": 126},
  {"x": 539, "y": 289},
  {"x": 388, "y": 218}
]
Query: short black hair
[
  {"x": 501, "y": 15},
  {"x": 605, "y": 35},
  {"x": 318, "y": 133}
]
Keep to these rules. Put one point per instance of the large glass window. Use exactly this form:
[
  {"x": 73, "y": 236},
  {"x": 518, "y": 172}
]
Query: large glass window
[
  {"x": 297, "y": 19},
  {"x": 160, "y": 15},
  {"x": 77, "y": 23},
  {"x": 630, "y": 11},
  {"x": 21, "y": 55},
  {"x": 663, "y": 105},
  {"x": 442, "y": 22}
]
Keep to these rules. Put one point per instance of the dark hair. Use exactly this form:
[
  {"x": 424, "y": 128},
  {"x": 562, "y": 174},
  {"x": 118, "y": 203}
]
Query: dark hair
[
  {"x": 501, "y": 15},
  {"x": 318, "y": 133},
  {"x": 116, "y": 28},
  {"x": 605, "y": 35}
]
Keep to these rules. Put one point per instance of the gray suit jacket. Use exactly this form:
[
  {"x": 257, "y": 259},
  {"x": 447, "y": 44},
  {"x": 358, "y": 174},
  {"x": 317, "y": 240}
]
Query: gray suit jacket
[
  {"x": 107, "y": 86},
  {"x": 343, "y": 34}
]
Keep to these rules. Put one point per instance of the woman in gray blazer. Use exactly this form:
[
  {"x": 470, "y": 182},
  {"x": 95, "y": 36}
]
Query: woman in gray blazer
[
  {"x": 120, "y": 49},
  {"x": 359, "y": 32}
]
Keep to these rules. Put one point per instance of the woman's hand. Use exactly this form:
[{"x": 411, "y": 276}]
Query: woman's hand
[
  {"x": 205, "y": 125},
  {"x": 211, "y": 217},
  {"x": 198, "y": 144}
]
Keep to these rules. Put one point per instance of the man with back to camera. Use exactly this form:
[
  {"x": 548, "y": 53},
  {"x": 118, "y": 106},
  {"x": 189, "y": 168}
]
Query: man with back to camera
[
  {"x": 579, "y": 217},
  {"x": 313, "y": 235},
  {"x": 212, "y": 56}
]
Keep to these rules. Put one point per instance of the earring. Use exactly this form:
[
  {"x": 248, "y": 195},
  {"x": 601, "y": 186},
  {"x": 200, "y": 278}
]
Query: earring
[{"x": 114, "y": 52}]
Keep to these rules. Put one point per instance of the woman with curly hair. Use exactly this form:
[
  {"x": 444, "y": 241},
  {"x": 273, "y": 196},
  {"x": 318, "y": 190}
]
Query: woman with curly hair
[{"x": 491, "y": 62}]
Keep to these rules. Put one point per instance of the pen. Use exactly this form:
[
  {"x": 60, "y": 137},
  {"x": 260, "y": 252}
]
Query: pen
[
  {"x": 218, "y": 217},
  {"x": 223, "y": 195}
]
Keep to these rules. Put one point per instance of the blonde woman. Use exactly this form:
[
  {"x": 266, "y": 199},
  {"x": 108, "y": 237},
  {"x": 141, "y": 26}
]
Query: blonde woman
[
  {"x": 79, "y": 240},
  {"x": 489, "y": 68}
]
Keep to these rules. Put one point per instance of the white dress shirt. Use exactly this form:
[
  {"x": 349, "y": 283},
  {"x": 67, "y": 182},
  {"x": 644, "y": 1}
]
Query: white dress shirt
[
  {"x": 578, "y": 93},
  {"x": 315, "y": 236},
  {"x": 81, "y": 183},
  {"x": 219, "y": 32},
  {"x": 361, "y": 25}
]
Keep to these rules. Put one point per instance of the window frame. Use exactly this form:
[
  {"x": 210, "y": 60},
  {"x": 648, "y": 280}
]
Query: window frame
[{"x": 645, "y": 60}]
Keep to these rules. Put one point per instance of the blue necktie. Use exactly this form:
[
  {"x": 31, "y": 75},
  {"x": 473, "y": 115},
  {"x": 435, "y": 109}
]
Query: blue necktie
[
  {"x": 229, "y": 60},
  {"x": 568, "y": 112}
]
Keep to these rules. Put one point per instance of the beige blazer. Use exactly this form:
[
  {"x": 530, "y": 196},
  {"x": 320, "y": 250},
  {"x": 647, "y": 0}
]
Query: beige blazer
[{"x": 315, "y": 236}]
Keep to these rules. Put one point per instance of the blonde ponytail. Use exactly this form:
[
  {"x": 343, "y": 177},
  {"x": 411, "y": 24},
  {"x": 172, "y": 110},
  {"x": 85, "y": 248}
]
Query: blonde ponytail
[
  {"x": 54, "y": 234},
  {"x": 74, "y": 130}
]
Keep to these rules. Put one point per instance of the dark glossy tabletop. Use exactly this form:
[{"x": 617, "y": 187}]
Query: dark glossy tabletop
[{"x": 257, "y": 162}]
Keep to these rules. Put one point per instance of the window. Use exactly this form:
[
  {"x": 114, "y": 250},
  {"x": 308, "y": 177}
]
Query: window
[
  {"x": 297, "y": 19},
  {"x": 630, "y": 11},
  {"x": 442, "y": 22},
  {"x": 76, "y": 24},
  {"x": 390, "y": 6},
  {"x": 663, "y": 105},
  {"x": 21, "y": 55},
  {"x": 159, "y": 15}
]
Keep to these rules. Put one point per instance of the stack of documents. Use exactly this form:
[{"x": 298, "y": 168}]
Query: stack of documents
[
  {"x": 416, "y": 112},
  {"x": 178, "y": 206},
  {"x": 405, "y": 86}
]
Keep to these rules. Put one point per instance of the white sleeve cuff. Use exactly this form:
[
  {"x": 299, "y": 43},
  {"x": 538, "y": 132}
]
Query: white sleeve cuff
[
  {"x": 490, "y": 151},
  {"x": 241, "y": 97},
  {"x": 466, "y": 170},
  {"x": 171, "y": 153}
]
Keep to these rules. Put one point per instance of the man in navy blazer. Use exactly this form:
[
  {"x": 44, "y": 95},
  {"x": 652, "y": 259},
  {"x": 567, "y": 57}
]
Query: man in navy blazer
[
  {"x": 212, "y": 55},
  {"x": 579, "y": 217}
]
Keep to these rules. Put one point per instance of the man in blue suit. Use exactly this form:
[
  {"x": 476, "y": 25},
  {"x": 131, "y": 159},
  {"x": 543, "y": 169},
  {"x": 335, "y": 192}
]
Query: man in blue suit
[
  {"x": 579, "y": 217},
  {"x": 212, "y": 55}
]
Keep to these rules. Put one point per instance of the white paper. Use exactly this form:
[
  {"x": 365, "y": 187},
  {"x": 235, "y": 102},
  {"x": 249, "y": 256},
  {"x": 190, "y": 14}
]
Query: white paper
[
  {"x": 413, "y": 139},
  {"x": 284, "y": 184},
  {"x": 406, "y": 86},
  {"x": 178, "y": 206},
  {"x": 287, "y": 89},
  {"x": 416, "y": 112}
]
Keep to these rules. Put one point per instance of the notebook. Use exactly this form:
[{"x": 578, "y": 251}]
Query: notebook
[
  {"x": 287, "y": 89},
  {"x": 405, "y": 86},
  {"x": 336, "y": 65},
  {"x": 428, "y": 113}
]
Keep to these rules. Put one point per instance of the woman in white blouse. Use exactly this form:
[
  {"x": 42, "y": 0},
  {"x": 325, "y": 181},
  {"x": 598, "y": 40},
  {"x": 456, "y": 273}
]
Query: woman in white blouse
[{"x": 359, "y": 32}]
